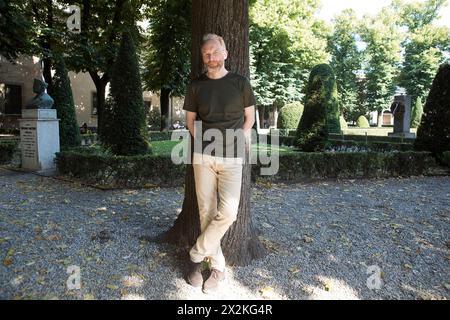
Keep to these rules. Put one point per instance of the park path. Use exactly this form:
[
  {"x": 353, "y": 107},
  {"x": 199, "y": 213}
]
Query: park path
[{"x": 350, "y": 239}]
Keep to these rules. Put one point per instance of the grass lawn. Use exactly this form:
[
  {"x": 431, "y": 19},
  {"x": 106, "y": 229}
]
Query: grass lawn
[{"x": 165, "y": 147}]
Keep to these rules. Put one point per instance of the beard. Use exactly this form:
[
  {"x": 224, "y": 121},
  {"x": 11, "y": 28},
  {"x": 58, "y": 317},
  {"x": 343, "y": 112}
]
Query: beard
[{"x": 214, "y": 65}]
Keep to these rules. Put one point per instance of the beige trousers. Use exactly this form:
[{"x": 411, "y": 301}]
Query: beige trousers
[{"x": 222, "y": 176}]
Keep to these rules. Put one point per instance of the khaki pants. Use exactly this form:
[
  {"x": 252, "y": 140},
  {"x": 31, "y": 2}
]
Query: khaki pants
[{"x": 212, "y": 175}]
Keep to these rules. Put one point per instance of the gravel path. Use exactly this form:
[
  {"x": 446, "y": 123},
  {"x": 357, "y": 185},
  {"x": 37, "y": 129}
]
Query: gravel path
[{"x": 326, "y": 240}]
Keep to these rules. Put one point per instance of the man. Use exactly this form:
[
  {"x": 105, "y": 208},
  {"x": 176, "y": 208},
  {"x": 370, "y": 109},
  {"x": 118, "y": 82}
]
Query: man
[{"x": 222, "y": 101}]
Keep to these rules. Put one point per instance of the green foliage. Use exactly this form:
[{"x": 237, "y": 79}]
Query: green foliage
[
  {"x": 275, "y": 76},
  {"x": 382, "y": 36},
  {"x": 346, "y": 60},
  {"x": 289, "y": 116},
  {"x": 424, "y": 47},
  {"x": 119, "y": 171},
  {"x": 321, "y": 114},
  {"x": 61, "y": 92},
  {"x": 416, "y": 114},
  {"x": 127, "y": 133},
  {"x": 7, "y": 149},
  {"x": 446, "y": 158},
  {"x": 154, "y": 119},
  {"x": 166, "y": 59},
  {"x": 145, "y": 171},
  {"x": 299, "y": 166},
  {"x": 433, "y": 133},
  {"x": 288, "y": 33},
  {"x": 14, "y": 29},
  {"x": 343, "y": 123},
  {"x": 362, "y": 122}
]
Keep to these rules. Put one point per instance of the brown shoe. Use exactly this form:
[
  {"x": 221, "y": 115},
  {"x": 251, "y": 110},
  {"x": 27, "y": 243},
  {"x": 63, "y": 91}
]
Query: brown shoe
[
  {"x": 212, "y": 283},
  {"x": 195, "y": 277}
]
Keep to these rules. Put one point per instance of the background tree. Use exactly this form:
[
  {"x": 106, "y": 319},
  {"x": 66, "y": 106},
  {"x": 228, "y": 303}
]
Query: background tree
[
  {"x": 127, "y": 132},
  {"x": 14, "y": 29},
  {"x": 166, "y": 59},
  {"x": 425, "y": 46},
  {"x": 433, "y": 133},
  {"x": 382, "y": 36},
  {"x": 416, "y": 113},
  {"x": 287, "y": 32},
  {"x": 61, "y": 93},
  {"x": 321, "y": 114},
  {"x": 230, "y": 20},
  {"x": 94, "y": 49},
  {"x": 346, "y": 61}
]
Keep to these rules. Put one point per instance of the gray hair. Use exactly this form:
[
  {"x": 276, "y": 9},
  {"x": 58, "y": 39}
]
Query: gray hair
[{"x": 212, "y": 36}]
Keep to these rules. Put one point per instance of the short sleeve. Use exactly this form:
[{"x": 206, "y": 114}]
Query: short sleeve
[
  {"x": 190, "y": 100},
  {"x": 249, "y": 97}
]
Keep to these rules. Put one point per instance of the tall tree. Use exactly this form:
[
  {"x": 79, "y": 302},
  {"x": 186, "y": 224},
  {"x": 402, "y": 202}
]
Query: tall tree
[
  {"x": 433, "y": 133},
  {"x": 425, "y": 46},
  {"x": 346, "y": 61},
  {"x": 128, "y": 132},
  {"x": 295, "y": 19},
  {"x": 15, "y": 29},
  {"x": 61, "y": 92},
  {"x": 167, "y": 53},
  {"x": 93, "y": 50},
  {"x": 383, "y": 38},
  {"x": 230, "y": 20}
]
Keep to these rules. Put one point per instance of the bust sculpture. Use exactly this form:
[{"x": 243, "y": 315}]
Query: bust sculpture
[{"x": 42, "y": 100}]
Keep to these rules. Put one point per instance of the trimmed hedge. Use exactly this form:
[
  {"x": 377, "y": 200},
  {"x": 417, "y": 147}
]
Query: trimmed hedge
[
  {"x": 7, "y": 149},
  {"x": 149, "y": 170},
  {"x": 120, "y": 171},
  {"x": 296, "y": 167},
  {"x": 446, "y": 158}
]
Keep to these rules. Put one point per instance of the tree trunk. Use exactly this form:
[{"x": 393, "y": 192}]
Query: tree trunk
[
  {"x": 230, "y": 20},
  {"x": 164, "y": 102},
  {"x": 100, "y": 86},
  {"x": 380, "y": 119}
]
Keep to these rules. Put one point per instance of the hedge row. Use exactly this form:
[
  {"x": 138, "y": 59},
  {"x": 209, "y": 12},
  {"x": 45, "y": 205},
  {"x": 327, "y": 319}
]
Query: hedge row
[
  {"x": 7, "y": 149},
  {"x": 141, "y": 171}
]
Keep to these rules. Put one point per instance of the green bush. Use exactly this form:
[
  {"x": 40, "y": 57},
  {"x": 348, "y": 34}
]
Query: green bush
[
  {"x": 154, "y": 119},
  {"x": 61, "y": 92},
  {"x": 127, "y": 131},
  {"x": 120, "y": 171},
  {"x": 446, "y": 158},
  {"x": 300, "y": 166},
  {"x": 343, "y": 123},
  {"x": 290, "y": 115},
  {"x": 7, "y": 149},
  {"x": 362, "y": 122},
  {"x": 433, "y": 133},
  {"x": 416, "y": 114},
  {"x": 321, "y": 114},
  {"x": 94, "y": 166}
]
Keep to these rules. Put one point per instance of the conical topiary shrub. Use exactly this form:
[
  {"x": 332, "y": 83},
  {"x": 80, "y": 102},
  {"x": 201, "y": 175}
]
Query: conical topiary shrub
[
  {"x": 433, "y": 133},
  {"x": 321, "y": 114},
  {"x": 61, "y": 92},
  {"x": 126, "y": 119}
]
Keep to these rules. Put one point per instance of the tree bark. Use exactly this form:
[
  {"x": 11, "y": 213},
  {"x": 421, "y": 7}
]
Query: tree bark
[
  {"x": 228, "y": 19},
  {"x": 164, "y": 102}
]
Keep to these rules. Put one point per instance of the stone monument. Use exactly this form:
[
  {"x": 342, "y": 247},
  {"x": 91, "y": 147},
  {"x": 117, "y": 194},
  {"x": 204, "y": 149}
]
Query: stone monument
[
  {"x": 39, "y": 131},
  {"x": 401, "y": 110}
]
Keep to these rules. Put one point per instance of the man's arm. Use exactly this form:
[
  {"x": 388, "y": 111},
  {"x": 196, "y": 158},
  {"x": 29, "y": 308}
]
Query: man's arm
[
  {"x": 249, "y": 119},
  {"x": 190, "y": 119}
]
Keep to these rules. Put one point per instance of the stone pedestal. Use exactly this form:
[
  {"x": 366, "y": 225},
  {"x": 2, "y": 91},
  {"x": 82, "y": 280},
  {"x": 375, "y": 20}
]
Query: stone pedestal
[
  {"x": 39, "y": 139},
  {"x": 401, "y": 110}
]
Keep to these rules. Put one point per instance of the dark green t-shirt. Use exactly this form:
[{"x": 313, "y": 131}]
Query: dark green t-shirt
[{"x": 219, "y": 104}]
